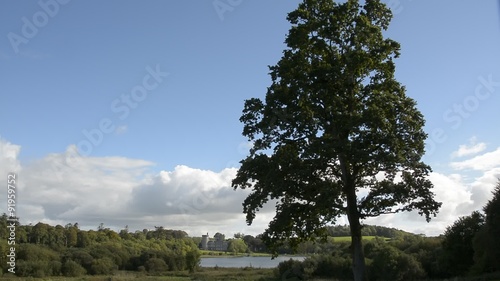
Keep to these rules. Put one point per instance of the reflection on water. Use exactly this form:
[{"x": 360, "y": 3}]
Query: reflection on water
[{"x": 262, "y": 262}]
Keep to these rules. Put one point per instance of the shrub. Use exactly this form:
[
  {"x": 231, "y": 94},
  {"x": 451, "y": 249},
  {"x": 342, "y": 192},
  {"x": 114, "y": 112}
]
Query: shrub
[
  {"x": 32, "y": 252},
  {"x": 103, "y": 266},
  {"x": 389, "y": 264},
  {"x": 156, "y": 265},
  {"x": 332, "y": 266},
  {"x": 72, "y": 269},
  {"x": 290, "y": 269},
  {"x": 192, "y": 260},
  {"x": 80, "y": 256},
  {"x": 55, "y": 268},
  {"x": 37, "y": 269}
]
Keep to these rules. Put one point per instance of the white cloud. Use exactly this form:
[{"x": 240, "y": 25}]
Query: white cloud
[
  {"x": 483, "y": 162},
  {"x": 460, "y": 194},
  {"x": 8, "y": 157},
  {"x": 467, "y": 150},
  {"x": 70, "y": 188},
  {"x": 65, "y": 188},
  {"x": 483, "y": 186},
  {"x": 451, "y": 191},
  {"x": 194, "y": 200}
]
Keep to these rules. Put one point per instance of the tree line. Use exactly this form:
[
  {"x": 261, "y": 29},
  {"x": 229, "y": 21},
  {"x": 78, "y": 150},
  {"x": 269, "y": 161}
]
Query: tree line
[{"x": 45, "y": 250}]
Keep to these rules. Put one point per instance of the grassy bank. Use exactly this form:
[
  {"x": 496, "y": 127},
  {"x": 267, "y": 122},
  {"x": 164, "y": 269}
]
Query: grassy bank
[{"x": 204, "y": 274}]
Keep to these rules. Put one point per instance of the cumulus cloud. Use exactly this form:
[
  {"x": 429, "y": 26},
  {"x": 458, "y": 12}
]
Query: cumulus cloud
[
  {"x": 465, "y": 190},
  {"x": 483, "y": 162},
  {"x": 471, "y": 149},
  {"x": 9, "y": 157},
  {"x": 451, "y": 191},
  {"x": 65, "y": 188}
]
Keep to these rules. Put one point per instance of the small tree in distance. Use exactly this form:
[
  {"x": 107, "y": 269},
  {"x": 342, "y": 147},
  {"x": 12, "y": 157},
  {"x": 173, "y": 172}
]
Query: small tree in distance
[{"x": 336, "y": 134}]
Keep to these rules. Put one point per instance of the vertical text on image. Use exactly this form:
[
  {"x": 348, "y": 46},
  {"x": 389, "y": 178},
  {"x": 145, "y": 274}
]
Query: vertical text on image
[{"x": 12, "y": 220}]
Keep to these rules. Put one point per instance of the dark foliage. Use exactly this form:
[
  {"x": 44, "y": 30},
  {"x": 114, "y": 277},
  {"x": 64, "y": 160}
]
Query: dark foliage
[{"x": 44, "y": 250}]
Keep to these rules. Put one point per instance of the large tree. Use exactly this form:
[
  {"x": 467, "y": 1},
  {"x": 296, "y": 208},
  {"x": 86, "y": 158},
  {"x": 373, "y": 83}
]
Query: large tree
[
  {"x": 486, "y": 243},
  {"x": 458, "y": 250},
  {"x": 336, "y": 134},
  {"x": 492, "y": 211}
]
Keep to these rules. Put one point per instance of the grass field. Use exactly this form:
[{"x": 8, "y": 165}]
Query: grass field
[
  {"x": 348, "y": 238},
  {"x": 204, "y": 274}
]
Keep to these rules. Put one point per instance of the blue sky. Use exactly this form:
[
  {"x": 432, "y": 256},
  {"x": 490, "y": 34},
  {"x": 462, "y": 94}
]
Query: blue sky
[{"x": 74, "y": 75}]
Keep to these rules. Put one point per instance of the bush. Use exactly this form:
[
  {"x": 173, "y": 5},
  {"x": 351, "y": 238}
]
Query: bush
[
  {"x": 156, "y": 265},
  {"x": 80, "y": 256},
  {"x": 389, "y": 264},
  {"x": 331, "y": 266},
  {"x": 192, "y": 260},
  {"x": 113, "y": 250},
  {"x": 37, "y": 269},
  {"x": 290, "y": 270},
  {"x": 55, "y": 268},
  {"x": 103, "y": 266},
  {"x": 32, "y": 252},
  {"x": 72, "y": 269},
  {"x": 315, "y": 266},
  {"x": 175, "y": 261}
]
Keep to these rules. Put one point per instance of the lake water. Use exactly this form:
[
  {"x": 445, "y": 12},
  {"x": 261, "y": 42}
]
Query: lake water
[{"x": 262, "y": 262}]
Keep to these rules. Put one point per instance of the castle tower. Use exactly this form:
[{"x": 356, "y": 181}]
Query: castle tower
[{"x": 204, "y": 242}]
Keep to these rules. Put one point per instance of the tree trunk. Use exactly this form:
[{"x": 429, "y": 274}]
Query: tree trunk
[{"x": 358, "y": 256}]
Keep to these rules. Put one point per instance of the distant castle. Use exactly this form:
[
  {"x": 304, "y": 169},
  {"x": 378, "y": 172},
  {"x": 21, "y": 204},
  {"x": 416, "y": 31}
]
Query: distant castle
[{"x": 219, "y": 242}]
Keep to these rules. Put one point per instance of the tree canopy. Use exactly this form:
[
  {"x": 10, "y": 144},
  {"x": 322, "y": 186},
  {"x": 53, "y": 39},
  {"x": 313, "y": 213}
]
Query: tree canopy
[
  {"x": 486, "y": 243},
  {"x": 458, "y": 243},
  {"x": 336, "y": 134}
]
